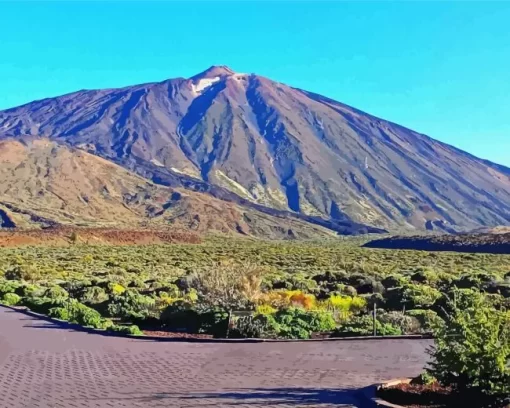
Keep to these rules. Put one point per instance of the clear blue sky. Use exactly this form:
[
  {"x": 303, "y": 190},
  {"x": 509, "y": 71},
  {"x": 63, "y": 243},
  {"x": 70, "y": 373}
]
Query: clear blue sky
[{"x": 439, "y": 68}]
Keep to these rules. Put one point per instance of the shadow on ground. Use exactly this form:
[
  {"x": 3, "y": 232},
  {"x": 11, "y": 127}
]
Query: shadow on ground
[{"x": 263, "y": 397}]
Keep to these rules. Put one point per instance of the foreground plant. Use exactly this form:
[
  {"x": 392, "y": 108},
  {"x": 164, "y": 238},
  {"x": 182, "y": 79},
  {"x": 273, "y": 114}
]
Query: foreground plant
[{"x": 472, "y": 349}]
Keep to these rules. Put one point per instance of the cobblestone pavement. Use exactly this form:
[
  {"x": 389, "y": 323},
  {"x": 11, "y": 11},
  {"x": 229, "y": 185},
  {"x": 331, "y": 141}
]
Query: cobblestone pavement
[{"x": 45, "y": 366}]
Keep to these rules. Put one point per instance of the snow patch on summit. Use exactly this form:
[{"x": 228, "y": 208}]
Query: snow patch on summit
[{"x": 203, "y": 84}]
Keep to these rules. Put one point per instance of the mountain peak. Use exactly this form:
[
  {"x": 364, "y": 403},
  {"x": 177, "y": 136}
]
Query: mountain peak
[
  {"x": 214, "y": 71},
  {"x": 247, "y": 138}
]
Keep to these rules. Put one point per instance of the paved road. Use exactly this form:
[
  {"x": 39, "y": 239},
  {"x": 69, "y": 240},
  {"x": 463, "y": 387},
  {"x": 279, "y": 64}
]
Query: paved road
[{"x": 43, "y": 366}]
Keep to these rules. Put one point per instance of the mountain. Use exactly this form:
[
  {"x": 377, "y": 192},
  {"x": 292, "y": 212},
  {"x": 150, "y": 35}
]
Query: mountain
[
  {"x": 257, "y": 142},
  {"x": 45, "y": 183}
]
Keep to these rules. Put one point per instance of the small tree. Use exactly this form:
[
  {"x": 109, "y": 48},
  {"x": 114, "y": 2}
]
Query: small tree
[{"x": 472, "y": 348}]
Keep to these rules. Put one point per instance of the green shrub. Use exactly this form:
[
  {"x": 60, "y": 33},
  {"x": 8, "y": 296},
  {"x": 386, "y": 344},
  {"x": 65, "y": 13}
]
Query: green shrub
[
  {"x": 472, "y": 349},
  {"x": 364, "y": 326},
  {"x": 42, "y": 305},
  {"x": 424, "y": 379},
  {"x": 428, "y": 319},
  {"x": 420, "y": 296},
  {"x": 213, "y": 321},
  {"x": 14, "y": 273},
  {"x": 255, "y": 327},
  {"x": 180, "y": 316},
  {"x": 297, "y": 323},
  {"x": 94, "y": 295},
  {"x": 8, "y": 286},
  {"x": 131, "y": 329},
  {"x": 406, "y": 323},
  {"x": 30, "y": 290},
  {"x": 11, "y": 299},
  {"x": 131, "y": 305},
  {"x": 56, "y": 292},
  {"x": 61, "y": 313},
  {"x": 75, "y": 312},
  {"x": 86, "y": 316}
]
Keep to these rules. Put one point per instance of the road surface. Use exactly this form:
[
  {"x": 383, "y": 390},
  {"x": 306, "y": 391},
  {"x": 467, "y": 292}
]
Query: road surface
[{"x": 45, "y": 366}]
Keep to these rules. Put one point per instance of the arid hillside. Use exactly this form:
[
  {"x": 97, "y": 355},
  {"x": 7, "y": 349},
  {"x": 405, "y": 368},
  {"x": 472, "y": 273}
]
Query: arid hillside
[{"x": 48, "y": 184}]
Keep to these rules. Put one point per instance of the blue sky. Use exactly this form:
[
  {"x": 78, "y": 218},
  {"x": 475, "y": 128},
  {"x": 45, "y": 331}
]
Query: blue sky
[{"x": 441, "y": 68}]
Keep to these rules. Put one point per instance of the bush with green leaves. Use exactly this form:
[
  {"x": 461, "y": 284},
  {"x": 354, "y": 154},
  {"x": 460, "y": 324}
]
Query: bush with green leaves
[
  {"x": 42, "y": 305},
  {"x": 10, "y": 299},
  {"x": 61, "y": 313},
  {"x": 406, "y": 323},
  {"x": 472, "y": 349},
  {"x": 180, "y": 316},
  {"x": 428, "y": 319},
  {"x": 132, "y": 330},
  {"x": 209, "y": 281},
  {"x": 94, "y": 295},
  {"x": 213, "y": 321},
  {"x": 56, "y": 292},
  {"x": 131, "y": 305},
  {"x": 299, "y": 323},
  {"x": 364, "y": 326},
  {"x": 8, "y": 286},
  {"x": 76, "y": 312},
  {"x": 259, "y": 326},
  {"x": 30, "y": 290},
  {"x": 183, "y": 316}
]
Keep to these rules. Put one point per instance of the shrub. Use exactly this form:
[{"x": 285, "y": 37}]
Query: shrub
[
  {"x": 14, "y": 273},
  {"x": 472, "y": 349},
  {"x": 85, "y": 316},
  {"x": 181, "y": 316},
  {"x": 22, "y": 272},
  {"x": 428, "y": 318},
  {"x": 131, "y": 305},
  {"x": 406, "y": 323},
  {"x": 363, "y": 326},
  {"x": 265, "y": 310},
  {"x": 343, "y": 307},
  {"x": 288, "y": 298},
  {"x": 420, "y": 296},
  {"x": 133, "y": 330},
  {"x": 30, "y": 290},
  {"x": 424, "y": 379},
  {"x": 11, "y": 299},
  {"x": 7, "y": 286},
  {"x": 61, "y": 313},
  {"x": 258, "y": 326},
  {"x": 56, "y": 292},
  {"x": 213, "y": 321},
  {"x": 300, "y": 324},
  {"x": 228, "y": 285},
  {"x": 42, "y": 304},
  {"x": 75, "y": 312},
  {"x": 116, "y": 289},
  {"x": 94, "y": 295}
]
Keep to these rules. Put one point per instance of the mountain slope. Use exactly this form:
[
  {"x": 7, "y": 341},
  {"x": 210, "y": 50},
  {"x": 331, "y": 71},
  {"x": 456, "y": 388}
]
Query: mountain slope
[
  {"x": 45, "y": 183},
  {"x": 276, "y": 147}
]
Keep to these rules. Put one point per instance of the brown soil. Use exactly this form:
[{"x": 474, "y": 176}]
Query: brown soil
[
  {"x": 433, "y": 396},
  {"x": 418, "y": 396},
  {"x": 94, "y": 236}
]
